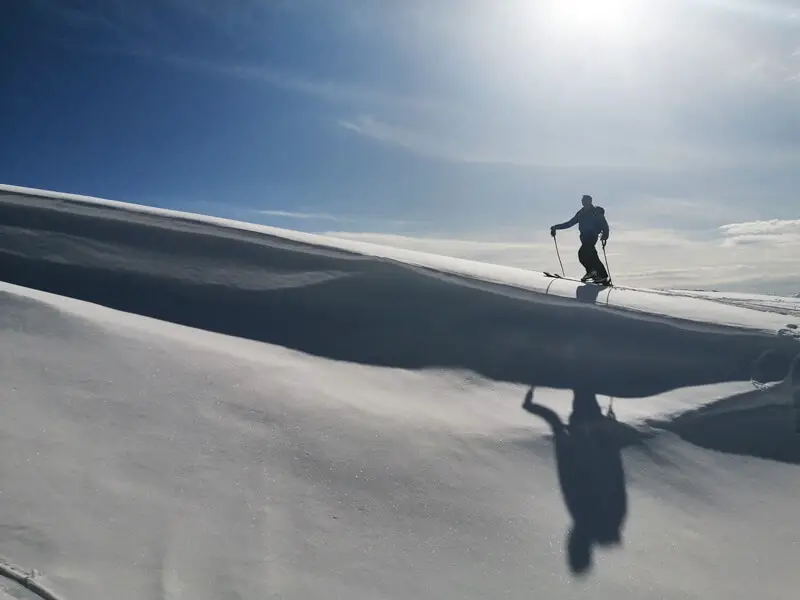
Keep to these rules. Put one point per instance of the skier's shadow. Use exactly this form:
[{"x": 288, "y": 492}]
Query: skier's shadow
[
  {"x": 590, "y": 472},
  {"x": 588, "y": 293}
]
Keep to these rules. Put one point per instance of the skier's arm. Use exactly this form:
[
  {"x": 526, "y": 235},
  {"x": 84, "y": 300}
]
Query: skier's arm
[{"x": 567, "y": 224}]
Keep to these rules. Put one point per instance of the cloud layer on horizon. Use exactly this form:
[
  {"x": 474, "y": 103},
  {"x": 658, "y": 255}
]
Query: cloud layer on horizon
[{"x": 749, "y": 257}]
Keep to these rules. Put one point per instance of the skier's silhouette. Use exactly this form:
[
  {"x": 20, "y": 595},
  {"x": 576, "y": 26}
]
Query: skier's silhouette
[{"x": 589, "y": 462}]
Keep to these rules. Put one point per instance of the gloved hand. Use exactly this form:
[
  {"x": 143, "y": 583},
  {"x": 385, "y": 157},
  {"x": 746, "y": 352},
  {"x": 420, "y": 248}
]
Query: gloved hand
[
  {"x": 553, "y": 231},
  {"x": 603, "y": 241}
]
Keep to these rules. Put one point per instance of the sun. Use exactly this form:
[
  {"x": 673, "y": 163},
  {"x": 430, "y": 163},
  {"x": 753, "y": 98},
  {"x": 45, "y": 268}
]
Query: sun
[{"x": 595, "y": 18}]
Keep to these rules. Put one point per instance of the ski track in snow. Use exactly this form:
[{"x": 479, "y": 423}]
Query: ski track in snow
[
  {"x": 789, "y": 307},
  {"x": 323, "y": 421}
]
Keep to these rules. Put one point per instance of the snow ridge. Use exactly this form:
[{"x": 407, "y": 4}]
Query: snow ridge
[
  {"x": 27, "y": 580},
  {"x": 365, "y": 309}
]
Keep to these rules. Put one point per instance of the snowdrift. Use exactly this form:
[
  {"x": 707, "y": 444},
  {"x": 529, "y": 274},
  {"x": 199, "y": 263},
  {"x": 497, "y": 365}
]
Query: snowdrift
[
  {"x": 354, "y": 307},
  {"x": 195, "y": 408}
]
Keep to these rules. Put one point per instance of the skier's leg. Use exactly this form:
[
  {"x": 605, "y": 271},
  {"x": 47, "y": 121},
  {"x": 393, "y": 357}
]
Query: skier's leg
[
  {"x": 595, "y": 261},
  {"x": 585, "y": 258}
]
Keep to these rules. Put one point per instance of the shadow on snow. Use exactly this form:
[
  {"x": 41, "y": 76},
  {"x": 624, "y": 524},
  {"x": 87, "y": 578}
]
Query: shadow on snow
[
  {"x": 590, "y": 472},
  {"x": 763, "y": 423},
  {"x": 349, "y": 307}
]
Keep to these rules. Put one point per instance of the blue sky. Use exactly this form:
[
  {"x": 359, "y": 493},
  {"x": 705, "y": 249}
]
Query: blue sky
[{"x": 465, "y": 127}]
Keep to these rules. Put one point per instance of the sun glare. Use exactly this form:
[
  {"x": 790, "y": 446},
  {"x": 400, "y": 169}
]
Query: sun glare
[{"x": 595, "y": 18}]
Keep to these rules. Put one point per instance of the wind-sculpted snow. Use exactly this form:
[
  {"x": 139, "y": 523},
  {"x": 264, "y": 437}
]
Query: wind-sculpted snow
[
  {"x": 147, "y": 461},
  {"x": 763, "y": 422},
  {"x": 460, "y": 445},
  {"x": 352, "y": 307}
]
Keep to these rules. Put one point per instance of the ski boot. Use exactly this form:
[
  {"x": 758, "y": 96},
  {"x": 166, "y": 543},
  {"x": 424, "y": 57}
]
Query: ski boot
[{"x": 604, "y": 281}]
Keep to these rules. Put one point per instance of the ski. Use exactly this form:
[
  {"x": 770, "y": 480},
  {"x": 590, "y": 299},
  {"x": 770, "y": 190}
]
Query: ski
[{"x": 557, "y": 276}]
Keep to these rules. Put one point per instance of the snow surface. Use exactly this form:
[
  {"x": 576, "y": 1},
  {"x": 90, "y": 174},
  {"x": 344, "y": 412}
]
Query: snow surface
[{"x": 200, "y": 409}]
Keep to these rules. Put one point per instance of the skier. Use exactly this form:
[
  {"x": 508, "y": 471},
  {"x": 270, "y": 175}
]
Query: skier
[{"x": 591, "y": 221}]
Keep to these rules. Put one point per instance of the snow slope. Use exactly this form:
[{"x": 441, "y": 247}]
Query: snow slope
[{"x": 200, "y": 409}]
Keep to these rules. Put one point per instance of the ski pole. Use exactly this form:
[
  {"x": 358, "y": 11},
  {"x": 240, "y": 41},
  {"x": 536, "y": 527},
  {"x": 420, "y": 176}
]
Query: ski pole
[
  {"x": 605, "y": 257},
  {"x": 559, "y": 256}
]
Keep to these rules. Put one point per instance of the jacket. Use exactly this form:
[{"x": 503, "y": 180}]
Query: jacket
[{"x": 591, "y": 222}]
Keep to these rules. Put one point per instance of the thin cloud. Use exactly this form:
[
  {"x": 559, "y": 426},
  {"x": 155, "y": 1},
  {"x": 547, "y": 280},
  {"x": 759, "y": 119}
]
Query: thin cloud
[
  {"x": 133, "y": 29},
  {"x": 416, "y": 142},
  {"x": 769, "y": 234},
  {"x": 769, "y": 227},
  {"x": 687, "y": 213},
  {"x": 569, "y": 149},
  {"x": 422, "y": 142},
  {"x": 358, "y": 221},
  {"x": 761, "y": 240},
  {"x": 333, "y": 91},
  {"x": 142, "y": 30},
  {"x": 299, "y": 215}
]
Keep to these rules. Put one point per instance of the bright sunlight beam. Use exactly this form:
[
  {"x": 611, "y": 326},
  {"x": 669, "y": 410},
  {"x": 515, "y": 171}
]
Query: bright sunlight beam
[{"x": 598, "y": 19}]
